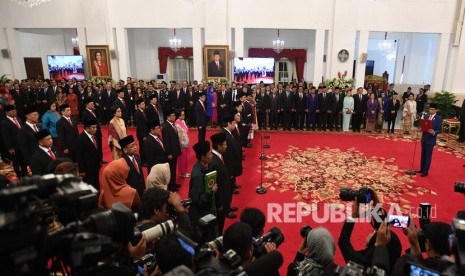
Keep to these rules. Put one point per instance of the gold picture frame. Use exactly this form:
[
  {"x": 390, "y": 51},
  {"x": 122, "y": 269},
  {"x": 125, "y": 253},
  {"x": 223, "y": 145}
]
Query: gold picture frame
[
  {"x": 98, "y": 61},
  {"x": 216, "y": 62}
]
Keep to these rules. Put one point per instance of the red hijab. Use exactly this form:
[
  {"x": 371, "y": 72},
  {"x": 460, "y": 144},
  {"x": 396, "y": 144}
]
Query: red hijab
[{"x": 114, "y": 187}]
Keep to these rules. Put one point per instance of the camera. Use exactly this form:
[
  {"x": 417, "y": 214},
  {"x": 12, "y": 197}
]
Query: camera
[
  {"x": 364, "y": 195},
  {"x": 216, "y": 244},
  {"x": 353, "y": 268},
  {"x": 153, "y": 233},
  {"x": 459, "y": 187},
  {"x": 89, "y": 235},
  {"x": 304, "y": 231},
  {"x": 274, "y": 235}
]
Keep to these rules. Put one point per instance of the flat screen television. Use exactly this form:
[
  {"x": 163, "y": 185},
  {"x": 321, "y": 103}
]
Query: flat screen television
[
  {"x": 64, "y": 66},
  {"x": 254, "y": 70}
]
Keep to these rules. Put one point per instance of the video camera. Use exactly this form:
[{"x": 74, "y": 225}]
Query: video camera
[
  {"x": 459, "y": 187},
  {"x": 353, "y": 268},
  {"x": 274, "y": 235},
  {"x": 90, "y": 236},
  {"x": 364, "y": 195}
]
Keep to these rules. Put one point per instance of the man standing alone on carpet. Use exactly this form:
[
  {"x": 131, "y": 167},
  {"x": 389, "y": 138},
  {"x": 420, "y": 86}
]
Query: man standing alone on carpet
[
  {"x": 428, "y": 139},
  {"x": 172, "y": 146}
]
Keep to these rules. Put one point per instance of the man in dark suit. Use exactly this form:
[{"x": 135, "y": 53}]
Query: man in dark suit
[
  {"x": 172, "y": 147},
  {"x": 274, "y": 109},
  {"x": 300, "y": 106},
  {"x": 10, "y": 129},
  {"x": 262, "y": 101},
  {"x": 178, "y": 98},
  {"x": 201, "y": 117},
  {"x": 88, "y": 156},
  {"x": 216, "y": 67},
  {"x": 338, "y": 105},
  {"x": 219, "y": 146},
  {"x": 461, "y": 138},
  {"x": 325, "y": 105},
  {"x": 43, "y": 155},
  {"x": 108, "y": 97},
  {"x": 67, "y": 132},
  {"x": 151, "y": 111},
  {"x": 140, "y": 121},
  {"x": 287, "y": 107},
  {"x": 393, "y": 107},
  {"x": 428, "y": 139},
  {"x": 154, "y": 150},
  {"x": 135, "y": 177},
  {"x": 233, "y": 162},
  {"x": 223, "y": 103},
  {"x": 191, "y": 100},
  {"x": 123, "y": 105},
  {"x": 27, "y": 141},
  {"x": 89, "y": 113},
  {"x": 360, "y": 106}
]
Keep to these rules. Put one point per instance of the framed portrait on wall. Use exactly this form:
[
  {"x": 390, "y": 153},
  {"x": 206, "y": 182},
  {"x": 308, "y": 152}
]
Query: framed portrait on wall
[
  {"x": 98, "y": 61},
  {"x": 216, "y": 61}
]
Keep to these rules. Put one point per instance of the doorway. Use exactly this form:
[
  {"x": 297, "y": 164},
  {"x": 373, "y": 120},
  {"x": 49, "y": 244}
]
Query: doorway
[{"x": 34, "y": 69}]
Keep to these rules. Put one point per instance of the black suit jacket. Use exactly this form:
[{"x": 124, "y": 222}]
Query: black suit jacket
[
  {"x": 222, "y": 180},
  {"x": 140, "y": 120},
  {"x": 338, "y": 105},
  {"x": 28, "y": 142},
  {"x": 135, "y": 177},
  {"x": 39, "y": 162},
  {"x": 171, "y": 140},
  {"x": 10, "y": 133},
  {"x": 151, "y": 114},
  {"x": 200, "y": 115},
  {"x": 326, "y": 103},
  {"x": 107, "y": 101},
  {"x": 360, "y": 106},
  {"x": 233, "y": 155},
  {"x": 213, "y": 69},
  {"x": 392, "y": 107},
  {"x": 287, "y": 102},
  {"x": 86, "y": 115},
  {"x": 300, "y": 104},
  {"x": 154, "y": 153},
  {"x": 88, "y": 159},
  {"x": 67, "y": 134},
  {"x": 178, "y": 103},
  {"x": 124, "y": 109}
]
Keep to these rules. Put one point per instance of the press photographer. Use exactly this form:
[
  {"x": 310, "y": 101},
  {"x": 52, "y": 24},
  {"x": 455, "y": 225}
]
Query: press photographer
[{"x": 367, "y": 197}]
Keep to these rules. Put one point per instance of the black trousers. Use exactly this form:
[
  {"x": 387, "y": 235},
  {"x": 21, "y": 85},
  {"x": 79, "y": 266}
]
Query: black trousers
[
  {"x": 202, "y": 132},
  {"x": 173, "y": 162},
  {"x": 299, "y": 120},
  {"x": 356, "y": 121},
  {"x": 273, "y": 119},
  {"x": 287, "y": 120},
  {"x": 322, "y": 120}
]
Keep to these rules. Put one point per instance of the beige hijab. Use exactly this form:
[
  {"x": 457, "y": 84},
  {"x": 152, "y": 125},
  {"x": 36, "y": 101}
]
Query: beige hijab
[{"x": 159, "y": 176}]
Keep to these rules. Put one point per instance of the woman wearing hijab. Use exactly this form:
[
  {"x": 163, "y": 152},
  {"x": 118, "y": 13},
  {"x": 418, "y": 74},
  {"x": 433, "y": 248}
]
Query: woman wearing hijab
[
  {"x": 114, "y": 187},
  {"x": 315, "y": 255},
  {"x": 116, "y": 132},
  {"x": 159, "y": 176}
]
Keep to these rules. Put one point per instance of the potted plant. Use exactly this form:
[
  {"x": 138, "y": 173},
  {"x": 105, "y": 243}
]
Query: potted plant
[{"x": 445, "y": 101}]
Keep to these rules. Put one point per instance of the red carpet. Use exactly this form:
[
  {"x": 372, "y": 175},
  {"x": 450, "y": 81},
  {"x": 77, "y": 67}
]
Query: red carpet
[{"x": 331, "y": 150}]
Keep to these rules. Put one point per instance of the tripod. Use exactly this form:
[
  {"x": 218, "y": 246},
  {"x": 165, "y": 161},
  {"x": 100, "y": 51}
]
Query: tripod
[{"x": 260, "y": 189}]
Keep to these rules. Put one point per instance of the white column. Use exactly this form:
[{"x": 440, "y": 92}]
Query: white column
[
  {"x": 81, "y": 34},
  {"x": 197, "y": 46},
  {"x": 441, "y": 61},
  {"x": 361, "y": 66},
  {"x": 16, "y": 56},
  {"x": 239, "y": 42},
  {"x": 319, "y": 53},
  {"x": 123, "y": 54}
]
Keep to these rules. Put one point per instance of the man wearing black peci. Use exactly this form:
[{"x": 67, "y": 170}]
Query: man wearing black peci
[
  {"x": 172, "y": 147},
  {"x": 67, "y": 133},
  {"x": 201, "y": 116},
  {"x": 393, "y": 107},
  {"x": 27, "y": 141},
  {"x": 140, "y": 121},
  {"x": 135, "y": 177},
  {"x": 233, "y": 160},
  {"x": 216, "y": 67},
  {"x": 360, "y": 105},
  {"x": 10, "y": 127},
  {"x": 338, "y": 99},
  {"x": 154, "y": 150},
  {"x": 44, "y": 155},
  {"x": 90, "y": 114},
  {"x": 88, "y": 156}
]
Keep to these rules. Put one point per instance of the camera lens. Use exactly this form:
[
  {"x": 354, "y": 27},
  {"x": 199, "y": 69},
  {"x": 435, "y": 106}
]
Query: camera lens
[
  {"x": 346, "y": 194},
  {"x": 304, "y": 231}
]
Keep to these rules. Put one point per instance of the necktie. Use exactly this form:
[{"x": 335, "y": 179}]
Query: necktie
[
  {"x": 238, "y": 132},
  {"x": 16, "y": 122},
  {"x": 134, "y": 162},
  {"x": 69, "y": 121},
  {"x": 324, "y": 95},
  {"x": 360, "y": 96},
  {"x": 94, "y": 141},
  {"x": 431, "y": 117},
  {"x": 50, "y": 152},
  {"x": 160, "y": 143},
  {"x": 95, "y": 116},
  {"x": 178, "y": 95},
  {"x": 221, "y": 157},
  {"x": 218, "y": 66},
  {"x": 124, "y": 104},
  {"x": 36, "y": 129}
]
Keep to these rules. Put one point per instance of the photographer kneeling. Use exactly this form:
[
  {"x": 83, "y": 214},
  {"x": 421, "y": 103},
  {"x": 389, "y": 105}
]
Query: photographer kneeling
[
  {"x": 315, "y": 255},
  {"x": 436, "y": 245}
]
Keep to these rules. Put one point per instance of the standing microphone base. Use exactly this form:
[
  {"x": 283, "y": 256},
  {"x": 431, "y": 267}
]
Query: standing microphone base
[
  {"x": 410, "y": 172},
  {"x": 261, "y": 190}
]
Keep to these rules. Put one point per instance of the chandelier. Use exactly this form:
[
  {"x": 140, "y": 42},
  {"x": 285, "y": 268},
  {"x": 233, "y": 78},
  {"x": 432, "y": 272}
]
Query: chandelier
[
  {"x": 278, "y": 44},
  {"x": 385, "y": 46},
  {"x": 175, "y": 43},
  {"x": 30, "y": 3}
]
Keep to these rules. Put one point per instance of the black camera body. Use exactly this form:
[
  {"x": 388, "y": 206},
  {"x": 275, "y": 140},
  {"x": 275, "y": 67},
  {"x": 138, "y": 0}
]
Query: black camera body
[
  {"x": 353, "y": 268},
  {"x": 364, "y": 195},
  {"x": 274, "y": 235},
  {"x": 459, "y": 187}
]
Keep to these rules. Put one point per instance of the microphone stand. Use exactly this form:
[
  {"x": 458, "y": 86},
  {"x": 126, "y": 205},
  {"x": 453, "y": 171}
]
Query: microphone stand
[
  {"x": 260, "y": 189},
  {"x": 412, "y": 171}
]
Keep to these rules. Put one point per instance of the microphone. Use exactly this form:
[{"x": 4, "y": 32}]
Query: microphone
[{"x": 267, "y": 264}]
